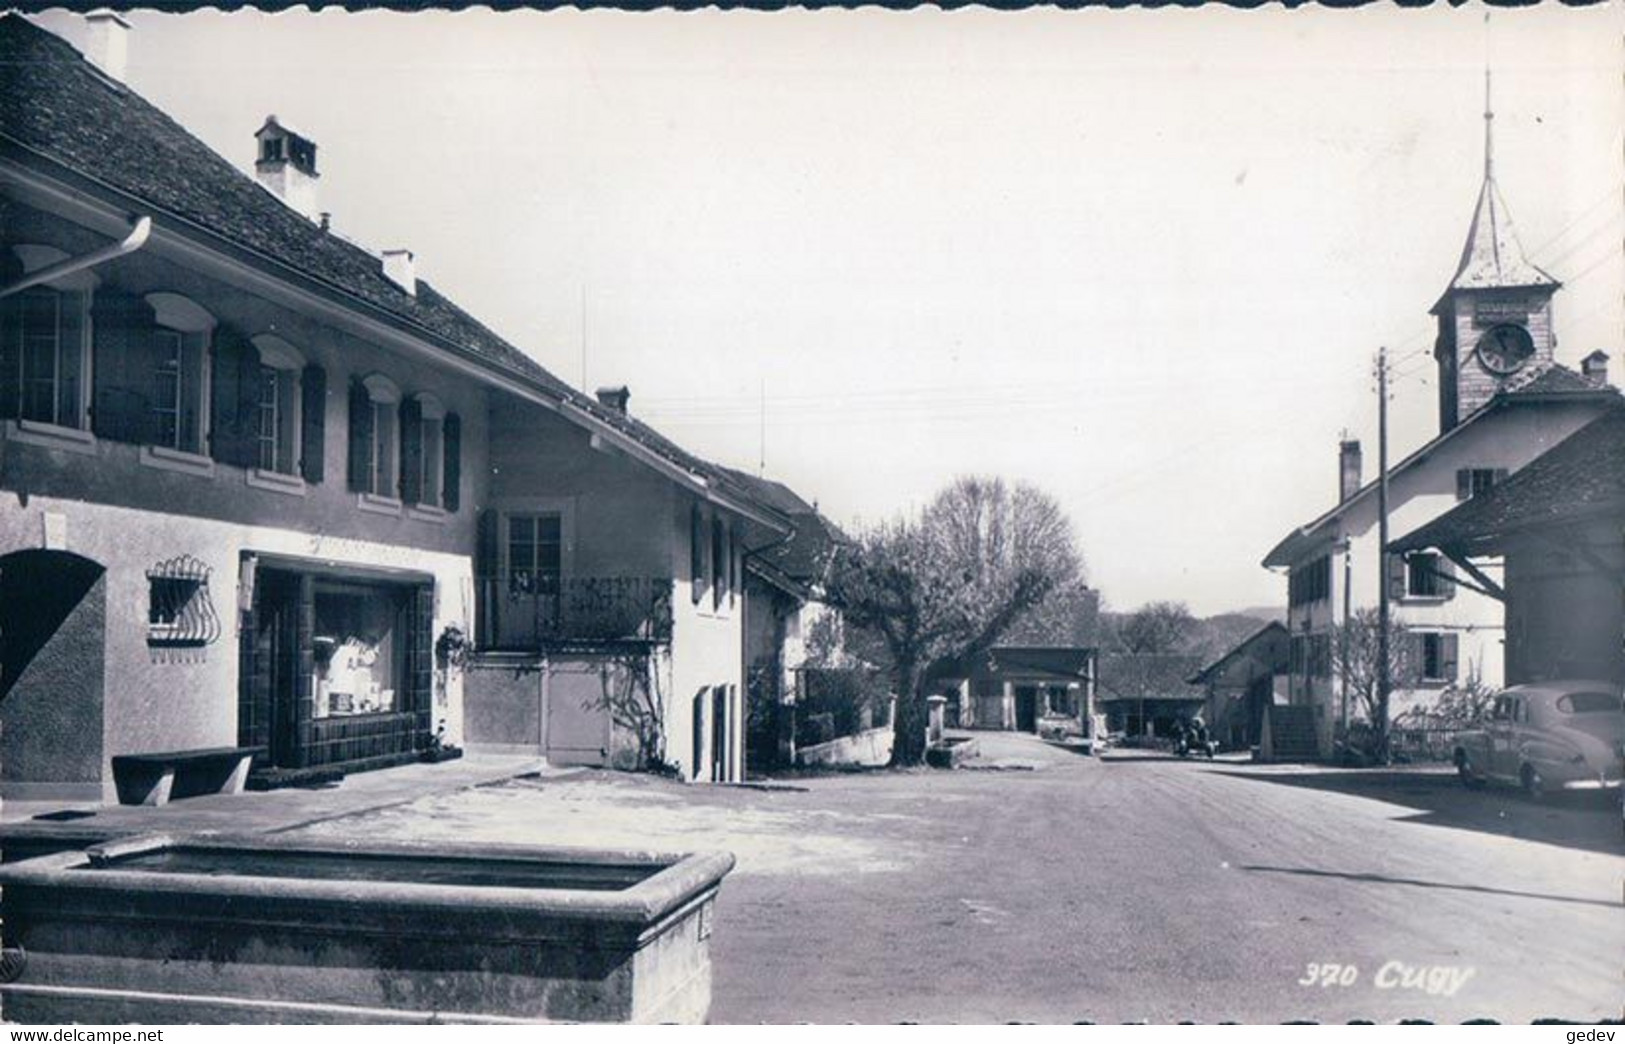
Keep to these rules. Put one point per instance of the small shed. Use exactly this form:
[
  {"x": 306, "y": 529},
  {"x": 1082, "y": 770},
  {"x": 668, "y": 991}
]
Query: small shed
[
  {"x": 1147, "y": 695},
  {"x": 1020, "y": 688},
  {"x": 1242, "y": 682}
]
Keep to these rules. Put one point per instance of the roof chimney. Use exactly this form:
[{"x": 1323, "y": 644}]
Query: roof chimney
[
  {"x": 287, "y": 166},
  {"x": 1348, "y": 469},
  {"x": 615, "y": 398},
  {"x": 1595, "y": 366},
  {"x": 400, "y": 270},
  {"x": 107, "y": 42}
]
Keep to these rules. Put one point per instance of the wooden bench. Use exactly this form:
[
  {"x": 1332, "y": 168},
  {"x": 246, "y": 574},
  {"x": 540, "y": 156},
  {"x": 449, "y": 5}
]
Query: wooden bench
[{"x": 153, "y": 779}]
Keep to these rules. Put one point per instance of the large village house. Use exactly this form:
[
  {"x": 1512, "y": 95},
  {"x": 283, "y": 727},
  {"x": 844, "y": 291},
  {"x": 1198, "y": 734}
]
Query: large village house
[
  {"x": 1559, "y": 527},
  {"x": 1503, "y": 400},
  {"x": 259, "y": 485}
]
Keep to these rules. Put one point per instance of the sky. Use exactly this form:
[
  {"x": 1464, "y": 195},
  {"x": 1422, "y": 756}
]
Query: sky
[{"x": 1141, "y": 259}]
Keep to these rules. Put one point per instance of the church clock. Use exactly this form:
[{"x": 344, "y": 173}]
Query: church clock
[{"x": 1505, "y": 348}]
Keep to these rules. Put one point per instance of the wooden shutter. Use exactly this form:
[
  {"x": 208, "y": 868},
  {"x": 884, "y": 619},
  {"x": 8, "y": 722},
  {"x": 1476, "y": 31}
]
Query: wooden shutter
[
  {"x": 235, "y": 391},
  {"x": 411, "y": 484},
  {"x": 696, "y": 552},
  {"x": 1447, "y": 588},
  {"x": 313, "y": 423},
  {"x": 1396, "y": 576},
  {"x": 123, "y": 367},
  {"x": 360, "y": 437},
  {"x": 1449, "y": 651},
  {"x": 1464, "y": 483},
  {"x": 451, "y": 438},
  {"x": 717, "y": 561}
]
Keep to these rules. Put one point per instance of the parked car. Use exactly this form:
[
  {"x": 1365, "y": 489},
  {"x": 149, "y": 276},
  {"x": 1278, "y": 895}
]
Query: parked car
[{"x": 1557, "y": 735}]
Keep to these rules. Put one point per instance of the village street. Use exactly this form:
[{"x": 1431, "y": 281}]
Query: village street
[{"x": 1053, "y": 887}]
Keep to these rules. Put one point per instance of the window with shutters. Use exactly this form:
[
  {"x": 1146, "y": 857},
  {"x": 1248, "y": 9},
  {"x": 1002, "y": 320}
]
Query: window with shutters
[
  {"x": 719, "y": 563},
  {"x": 380, "y": 475},
  {"x": 179, "y": 376},
  {"x": 51, "y": 365},
  {"x": 1425, "y": 576},
  {"x": 535, "y": 554},
  {"x": 45, "y": 346},
  {"x": 277, "y": 428},
  {"x": 430, "y": 455},
  {"x": 1436, "y": 657},
  {"x": 696, "y": 552},
  {"x": 1311, "y": 582}
]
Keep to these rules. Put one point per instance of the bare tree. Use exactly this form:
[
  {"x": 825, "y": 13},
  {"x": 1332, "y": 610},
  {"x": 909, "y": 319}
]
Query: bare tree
[
  {"x": 1069, "y": 616},
  {"x": 1157, "y": 629},
  {"x": 950, "y": 583},
  {"x": 1357, "y": 660}
]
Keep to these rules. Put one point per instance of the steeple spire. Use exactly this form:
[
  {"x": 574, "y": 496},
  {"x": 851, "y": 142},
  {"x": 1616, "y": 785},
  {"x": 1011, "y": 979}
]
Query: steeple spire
[
  {"x": 1489, "y": 107},
  {"x": 1492, "y": 257}
]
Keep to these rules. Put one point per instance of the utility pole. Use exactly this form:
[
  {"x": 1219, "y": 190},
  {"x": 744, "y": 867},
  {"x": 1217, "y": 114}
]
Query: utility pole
[{"x": 1384, "y": 679}]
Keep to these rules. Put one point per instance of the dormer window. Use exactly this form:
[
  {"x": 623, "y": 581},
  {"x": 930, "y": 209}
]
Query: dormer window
[{"x": 271, "y": 150}]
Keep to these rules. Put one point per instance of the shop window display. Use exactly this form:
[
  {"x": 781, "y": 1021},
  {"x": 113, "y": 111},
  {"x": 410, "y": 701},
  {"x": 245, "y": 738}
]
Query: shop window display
[{"x": 358, "y": 650}]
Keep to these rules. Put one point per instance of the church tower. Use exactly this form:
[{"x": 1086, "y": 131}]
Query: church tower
[{"x": 1495, "y": 319}]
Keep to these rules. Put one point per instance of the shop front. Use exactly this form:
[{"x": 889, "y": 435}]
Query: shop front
[{"x": 337, "y": 668}]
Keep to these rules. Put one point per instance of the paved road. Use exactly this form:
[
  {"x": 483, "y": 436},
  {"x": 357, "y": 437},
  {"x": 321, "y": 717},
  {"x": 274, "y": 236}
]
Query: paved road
[{"x": 1064, "y": 888}]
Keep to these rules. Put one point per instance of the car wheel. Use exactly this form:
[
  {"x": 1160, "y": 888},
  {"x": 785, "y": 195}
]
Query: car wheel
[
  {"x": 1533, "y": 787},
  {"x": 1469, "y": 779}
]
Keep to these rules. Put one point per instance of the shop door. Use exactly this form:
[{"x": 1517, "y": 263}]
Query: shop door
[
  {"x": 277, "y": 641},
  {"x": 1026, "y": 708}
]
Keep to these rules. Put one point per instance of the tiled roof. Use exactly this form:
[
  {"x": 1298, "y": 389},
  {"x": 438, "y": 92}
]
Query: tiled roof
[
  {"x": 1581, "y": 477},
  {"x": 1267, "y": 645},
  {"x": 1492, "y": 257},
  {"x": 805, "y": 557},
  {"x": 1549, "y": 378},
  {"x": 55, "y": 105},
  {"x": 1142, "y": 676}
]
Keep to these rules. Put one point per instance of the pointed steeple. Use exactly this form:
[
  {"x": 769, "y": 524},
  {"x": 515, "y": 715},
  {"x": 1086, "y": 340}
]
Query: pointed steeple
[
  {"x": 1495, "y": 319},
  {"x": 1492, "y": 257}
]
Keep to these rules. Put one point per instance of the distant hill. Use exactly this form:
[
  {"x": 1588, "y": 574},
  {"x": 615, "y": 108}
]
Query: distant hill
[
  {"x": 1261, "y": 613},
  {"x": 1203, "y": 638}
]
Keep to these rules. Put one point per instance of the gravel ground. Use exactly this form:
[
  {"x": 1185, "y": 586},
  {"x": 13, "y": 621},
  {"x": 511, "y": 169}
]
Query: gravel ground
[{"x": 1133, "y": 887}]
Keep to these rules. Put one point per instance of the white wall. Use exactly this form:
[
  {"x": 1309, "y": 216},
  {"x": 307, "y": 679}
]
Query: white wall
[
  {"x": 153, "y": 703},
  {"x": 1509, "y": 438},
  {"x": 707, "y": 650}
]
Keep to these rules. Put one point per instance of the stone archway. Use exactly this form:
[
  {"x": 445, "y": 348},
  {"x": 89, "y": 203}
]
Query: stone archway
[{"x": 53, "y": 624}]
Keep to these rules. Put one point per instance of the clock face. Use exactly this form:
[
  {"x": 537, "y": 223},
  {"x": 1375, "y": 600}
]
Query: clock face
[{"x": 1505, "y": 348}]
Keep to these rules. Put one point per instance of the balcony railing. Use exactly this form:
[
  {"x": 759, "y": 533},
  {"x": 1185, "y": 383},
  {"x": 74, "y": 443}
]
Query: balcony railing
[{"x": 515, "y": 614}]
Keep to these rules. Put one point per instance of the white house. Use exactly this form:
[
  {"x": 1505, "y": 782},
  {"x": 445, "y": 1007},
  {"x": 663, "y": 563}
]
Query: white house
[{"x": 1503, "y": 401}]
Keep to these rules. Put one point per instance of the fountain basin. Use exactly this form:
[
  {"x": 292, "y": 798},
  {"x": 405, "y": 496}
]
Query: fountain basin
[{"x": 233, "y": 929}]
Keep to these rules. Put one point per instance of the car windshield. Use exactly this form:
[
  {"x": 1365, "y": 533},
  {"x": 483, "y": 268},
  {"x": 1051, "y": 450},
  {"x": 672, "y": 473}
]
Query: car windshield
[{"x": 1588, "y": 702}]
